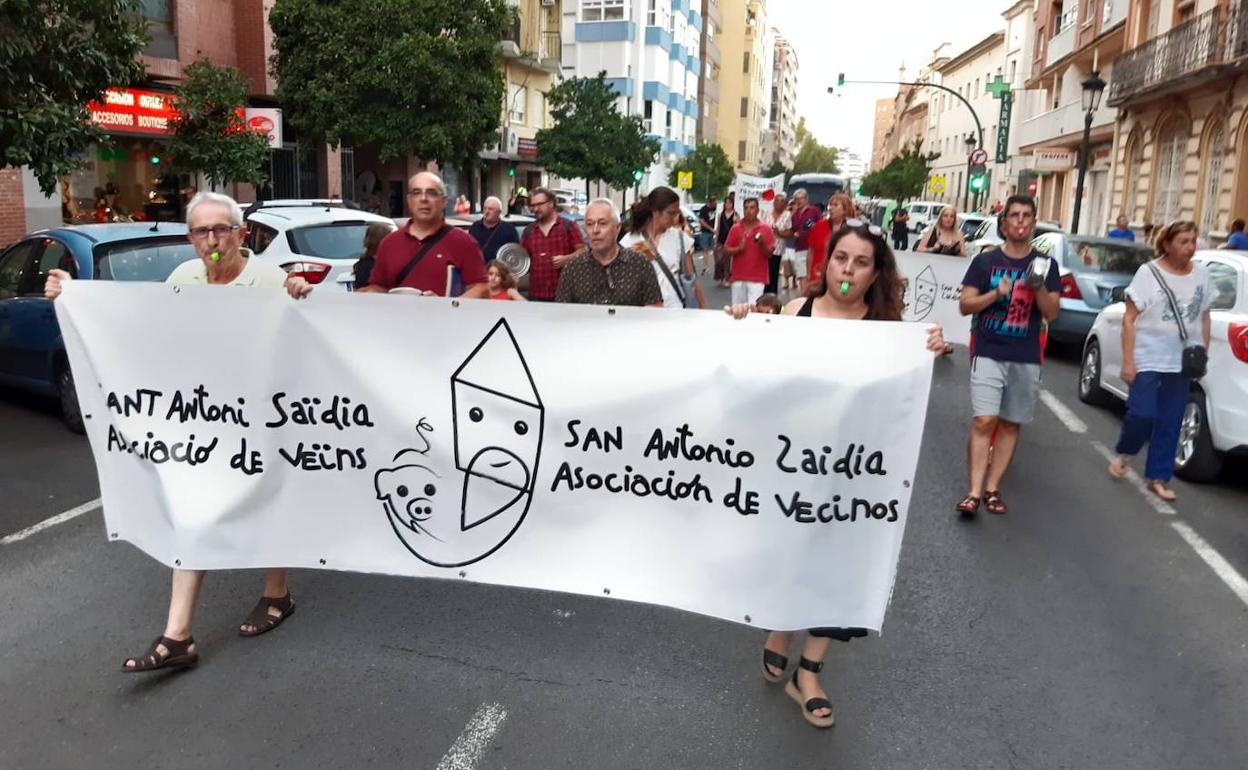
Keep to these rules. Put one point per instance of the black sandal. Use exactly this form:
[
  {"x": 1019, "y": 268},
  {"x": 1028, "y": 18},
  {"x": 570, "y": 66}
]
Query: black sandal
[
  {"x": 994, "y": 503},
  {"x": 177, "y": 655},
  {"x": 262, "y": 621},
  {"x": 809, "y": 707},
  {"x": 775, "y": 660},
  {"x": 969, "y": 506}
]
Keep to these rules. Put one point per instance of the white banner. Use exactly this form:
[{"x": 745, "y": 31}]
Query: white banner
[
  {"x": 933, "y": 287},
  {"x": 671, "y": 457},
  {"x": 747, "y": 186}
]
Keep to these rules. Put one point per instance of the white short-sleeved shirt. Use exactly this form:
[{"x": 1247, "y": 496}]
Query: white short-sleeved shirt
[
  {"x": 1158, "y": 347},
  {"x": 670, "y": 249},
  {"x": 777, "y": 223},
  {"x": 257, "y": 274}
]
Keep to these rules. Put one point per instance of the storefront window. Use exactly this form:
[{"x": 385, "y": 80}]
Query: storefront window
[{"x": 128, "y": 180}]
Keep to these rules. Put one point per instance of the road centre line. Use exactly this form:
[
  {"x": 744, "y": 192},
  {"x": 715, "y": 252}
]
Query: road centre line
[
  {"x": 1133, "y": 478},
  {"x": 1220, "y": 566},
  {"x": 59, "y": 518},
  {"x": 1063, "y": 413},
  {"x": 467, "y": 749}
]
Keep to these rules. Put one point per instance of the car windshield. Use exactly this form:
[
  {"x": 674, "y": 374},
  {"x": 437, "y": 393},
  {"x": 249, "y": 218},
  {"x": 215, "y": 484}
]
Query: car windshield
[
  {"x": 149, "y": 259},
  {"x": 970, "y": 227},
  {"x": 340, "y": 240},
  {"x": 1089, "y": 257}
]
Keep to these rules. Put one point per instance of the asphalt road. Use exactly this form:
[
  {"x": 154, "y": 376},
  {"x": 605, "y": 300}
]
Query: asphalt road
[{"x": 1081, "y": 630}]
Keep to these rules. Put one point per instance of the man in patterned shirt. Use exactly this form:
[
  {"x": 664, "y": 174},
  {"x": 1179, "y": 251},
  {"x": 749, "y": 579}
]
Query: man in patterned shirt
[
  {"x": 552, "y": 241},
  {"x": 608, "y": 274}
]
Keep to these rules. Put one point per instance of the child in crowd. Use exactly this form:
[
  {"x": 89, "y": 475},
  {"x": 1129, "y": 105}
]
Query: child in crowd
[
  {"x": 769, "y": 304},
  {"x": 502, "y": 282}
]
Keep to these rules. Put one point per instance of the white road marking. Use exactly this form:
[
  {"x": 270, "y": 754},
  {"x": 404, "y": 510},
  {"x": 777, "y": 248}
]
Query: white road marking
[
  {"x": 472, "y": 742},
  {"x": 1220, "y": 566},
  {"x": 59, "y": 518},
  {"x": 1133, "y": 478},
  {"x": 1068, "y": 418}
]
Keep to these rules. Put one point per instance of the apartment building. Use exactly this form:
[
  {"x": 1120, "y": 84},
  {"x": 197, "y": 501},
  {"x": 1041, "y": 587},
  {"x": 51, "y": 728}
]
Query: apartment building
[
  {"x": 781, "y": 139},
  {"x": 744, "y": 96},
  {"x": 885, "y": 113},
  {"x": 712, "y": 65}
]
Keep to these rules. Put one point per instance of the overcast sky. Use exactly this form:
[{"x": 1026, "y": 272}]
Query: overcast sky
[{"x": 870, "y": 41}]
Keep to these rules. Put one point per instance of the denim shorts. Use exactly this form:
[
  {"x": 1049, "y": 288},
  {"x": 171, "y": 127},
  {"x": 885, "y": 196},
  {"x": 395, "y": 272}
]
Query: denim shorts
[{"x": 1005, "y": 389}]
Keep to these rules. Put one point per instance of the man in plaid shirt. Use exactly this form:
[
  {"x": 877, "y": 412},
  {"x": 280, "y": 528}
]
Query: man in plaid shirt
[{"x": 552, "y": 241}]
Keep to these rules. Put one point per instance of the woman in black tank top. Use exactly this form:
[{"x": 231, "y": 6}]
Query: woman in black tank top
[{"x": 860, "y": 282}]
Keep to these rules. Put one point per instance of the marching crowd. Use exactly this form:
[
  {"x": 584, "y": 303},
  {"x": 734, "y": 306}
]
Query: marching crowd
[{"x": 833, "y": 265}]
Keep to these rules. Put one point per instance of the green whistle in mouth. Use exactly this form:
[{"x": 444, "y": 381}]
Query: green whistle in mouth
[
  {"x": 215, "y": 256},
  {"x": 844, "y": 287}
]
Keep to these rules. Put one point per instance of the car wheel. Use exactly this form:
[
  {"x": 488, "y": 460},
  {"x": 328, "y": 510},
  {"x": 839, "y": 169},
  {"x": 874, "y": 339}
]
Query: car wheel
[
  {"x": 1195, "y": 459},
  {"x": 1090, "y": 390},
  {"x": 71, "y": 413}
]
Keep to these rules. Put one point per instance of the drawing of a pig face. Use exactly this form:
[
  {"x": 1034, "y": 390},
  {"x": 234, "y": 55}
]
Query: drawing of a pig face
[{"x": 410, "y": 496}]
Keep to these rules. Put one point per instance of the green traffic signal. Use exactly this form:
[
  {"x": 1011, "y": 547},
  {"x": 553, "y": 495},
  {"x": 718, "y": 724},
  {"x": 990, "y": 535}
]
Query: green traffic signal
[
  {"x": 639, "y": 174},
  {"x": 978, "y": 182},
  {"x": 511, "y": 172},
  {"x": 840, "y": 78}
]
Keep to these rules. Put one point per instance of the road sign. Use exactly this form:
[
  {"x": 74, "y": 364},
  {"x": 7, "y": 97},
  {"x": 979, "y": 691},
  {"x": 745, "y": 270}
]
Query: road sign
[
  {"x": 979, "y": 157},
  {"x": 1003, "y": 126},
  {"x": 937, "y": 184},
  {"x": 684, "y": 180}
]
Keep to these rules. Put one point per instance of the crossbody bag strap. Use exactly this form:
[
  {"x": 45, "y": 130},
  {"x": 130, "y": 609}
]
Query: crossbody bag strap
[
  {"x": 667, "y": 271},
  {"x": 429, "y": 244},
  {"x": 1174, "y": 304}
]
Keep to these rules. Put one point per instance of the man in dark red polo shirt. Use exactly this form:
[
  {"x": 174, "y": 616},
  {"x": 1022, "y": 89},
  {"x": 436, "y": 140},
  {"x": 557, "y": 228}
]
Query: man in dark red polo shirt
[
  {"x": 552, "y": 241},
  {"x": 451, "y": 248}
]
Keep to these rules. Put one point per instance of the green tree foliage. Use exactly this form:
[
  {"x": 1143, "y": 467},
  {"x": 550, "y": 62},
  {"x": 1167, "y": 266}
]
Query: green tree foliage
[
  {"x": 54, "y": 58},
  {"x": 590, "y": 138},
  {"x": 812, "y": 157},
  {"x": 420, "y": 77},
  {"x": 721, "y": 171},
  {"x": 209, "y": 135},
  {"x": 776, "y": 169},
  {"x": 903, "y": 177}
]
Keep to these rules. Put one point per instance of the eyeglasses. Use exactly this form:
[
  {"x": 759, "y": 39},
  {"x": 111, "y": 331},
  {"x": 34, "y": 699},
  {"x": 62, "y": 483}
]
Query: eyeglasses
[
  {"x": 535, "y": 204},
  {"x": 426, "y": 194},
  {"x": 860, "y": 224},
  {"x": 221, "y": 231}
]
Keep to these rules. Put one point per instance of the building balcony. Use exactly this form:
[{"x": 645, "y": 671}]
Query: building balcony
[
  {"x": 1209, "y": 45},
  {"x": 1113, "y": 13},
  {"x": 714, "y": 15},
  {"x": 1060, "y": 46},
  {"x": 711, "y": 52},
  {"x": 1064, "y": 122},
  {"x": 542, "y": 49}
]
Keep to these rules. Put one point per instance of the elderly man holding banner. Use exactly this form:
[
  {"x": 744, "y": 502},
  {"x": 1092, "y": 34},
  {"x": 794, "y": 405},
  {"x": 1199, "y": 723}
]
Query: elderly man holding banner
[{"x": 216, "y": 229}]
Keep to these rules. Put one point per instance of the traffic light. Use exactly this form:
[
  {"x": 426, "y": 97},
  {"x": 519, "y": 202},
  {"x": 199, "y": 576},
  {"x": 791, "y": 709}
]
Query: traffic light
[
  {"x": 511, "y": 171},
  {"x": 840, "y": 79},
  {"x": 155, "y": 160},
  {"x": 638, "y": 175},
  {"x": 978, "y": 182}
]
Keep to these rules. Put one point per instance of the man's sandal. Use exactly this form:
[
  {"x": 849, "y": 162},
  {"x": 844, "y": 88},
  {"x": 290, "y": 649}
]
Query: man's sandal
[
  {"x": 809, "y": 707},
  {"x": 994, "y": 503},
  {"x": 969, "y": 506},
  {"x": 1162, "y": 491},
  {"x": 774, "y": 660},
  {"x": 261, "y": 621},
  {"x": 177, "y": 655}
]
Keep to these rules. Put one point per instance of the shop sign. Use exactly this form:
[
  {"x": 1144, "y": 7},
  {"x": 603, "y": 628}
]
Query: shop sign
[
  {"x": 266, "y": 121},
  {"x": 527, "y": 148},
  {"x": 134, "y": 111},
  {"x": 1054, "y": 160}
]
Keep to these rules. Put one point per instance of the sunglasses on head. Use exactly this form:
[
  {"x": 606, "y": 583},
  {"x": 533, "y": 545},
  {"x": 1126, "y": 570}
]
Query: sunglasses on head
[{"x": 861, "y": 224}]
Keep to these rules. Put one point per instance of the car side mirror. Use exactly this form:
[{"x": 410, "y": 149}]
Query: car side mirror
[{"x": 1118, "y": 294}]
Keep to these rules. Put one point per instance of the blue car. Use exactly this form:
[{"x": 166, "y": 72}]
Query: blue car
[
  {"x": 32, "y": 351},
  {"x": 1091, "y": 268}
]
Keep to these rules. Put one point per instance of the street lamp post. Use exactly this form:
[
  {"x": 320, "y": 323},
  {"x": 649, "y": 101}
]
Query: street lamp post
[
  {"x": 966, "y": 187},
  {"x": 708, "y": 178},
  {"x": 1092, "y": 88}
]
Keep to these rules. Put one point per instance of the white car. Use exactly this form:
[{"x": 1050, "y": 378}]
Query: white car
[
  {"x": 1216, "y": 420},
  {"x": 987, "y": 237},
  {"x": 319, "y": 240},
  {"x": 922, "y": 214}
]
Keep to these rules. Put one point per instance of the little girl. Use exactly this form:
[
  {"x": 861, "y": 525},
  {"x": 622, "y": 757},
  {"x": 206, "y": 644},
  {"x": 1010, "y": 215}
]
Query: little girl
[{"x": 502, "y": 282}]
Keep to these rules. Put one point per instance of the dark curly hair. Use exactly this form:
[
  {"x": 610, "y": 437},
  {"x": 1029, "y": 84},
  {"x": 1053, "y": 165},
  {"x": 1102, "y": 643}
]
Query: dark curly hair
[{"x": 884, "y": 297}]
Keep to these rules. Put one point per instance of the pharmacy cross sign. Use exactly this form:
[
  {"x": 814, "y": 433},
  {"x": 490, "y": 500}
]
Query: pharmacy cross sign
[{"x": 998, "y": 87}]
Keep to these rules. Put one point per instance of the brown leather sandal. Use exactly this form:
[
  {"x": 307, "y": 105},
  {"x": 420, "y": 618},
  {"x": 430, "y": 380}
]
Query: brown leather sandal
[
  {"x": 177, "y": 655},
  {"x": 969, "y": 506},
  {"x": 994, "y": 503},
  {"x": 260, "y": 619}
]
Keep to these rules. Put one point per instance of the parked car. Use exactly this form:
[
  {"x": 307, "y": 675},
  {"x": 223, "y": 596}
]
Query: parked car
[
  {"x": 922, "y": 214},
  {"x": 32, "y": 351},
  {"x": 1090, "y": 268},
  {"x": 319, "y": 240},
  {"x": 987, "y": 237},
  {"x": 1216, "y": 420},
  {"x": 970, "y": 224}
]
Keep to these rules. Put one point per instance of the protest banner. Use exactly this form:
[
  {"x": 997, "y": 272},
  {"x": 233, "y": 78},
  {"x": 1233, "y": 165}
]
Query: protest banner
[
  {"x": 933, "y": 288},
  {"x": 565, "y": 448},
  {"x": 747, "y": 186}
]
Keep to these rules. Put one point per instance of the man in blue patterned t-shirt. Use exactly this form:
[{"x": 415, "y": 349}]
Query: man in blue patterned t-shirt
[{"x": 1005, "y": 345}]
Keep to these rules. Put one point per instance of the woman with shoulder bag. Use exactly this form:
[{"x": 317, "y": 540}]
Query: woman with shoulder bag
[
  {"x": 655, "y": 232},
  {"x": 1167, "y": 302}
]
